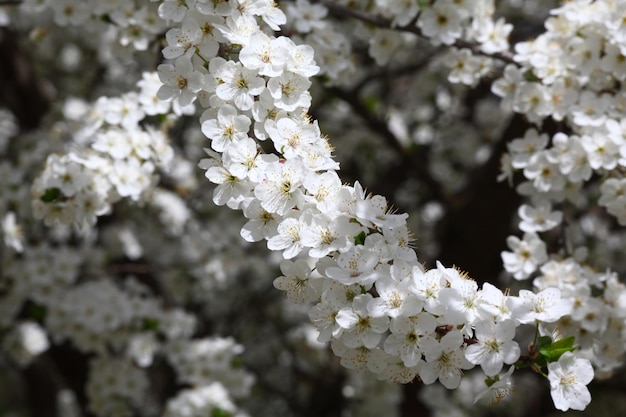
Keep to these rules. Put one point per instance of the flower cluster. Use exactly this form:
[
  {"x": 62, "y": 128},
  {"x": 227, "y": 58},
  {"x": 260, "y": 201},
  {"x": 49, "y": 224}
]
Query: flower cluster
[
  {"x": 121, "y": 162},
  {"x": 132, "y": 25},
  {"x": 246, "y": 69},
  {"x": 379, "y": 307},
  {"x": 76, "y": 286}
]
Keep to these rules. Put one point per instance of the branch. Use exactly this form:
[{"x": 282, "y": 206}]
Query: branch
[
  {"x": 378, "y": 125},
  {"x": 408, "y": 159},
  {"x": 343, "y": 11},
  {"x": 391, "y": 73},
  {"x": 478, "y": 218},
  {"x": 20, "y": 89}
]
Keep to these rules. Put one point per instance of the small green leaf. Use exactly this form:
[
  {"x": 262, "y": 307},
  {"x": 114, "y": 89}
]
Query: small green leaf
[
  {"x": 540, "y": 363},
  {"x": 218, "y": 412},
  {"x": 489, "y": 381},
  {"x": 554, "y": 351},
  {"x": 566, "y": 342},
  {"x": 35, "y": 311},
  {"x": 530, "y": 76},
  {"x": 51, "y": 195},
  {"x": 324, "y": 78},
  {"x": 371, "y": 103},
  {"x": 150, "y": 324},
  {"x": 360, "y": 238},
  {"x": 423, "y": 4},
  {"x": 543, "y": 342},
  {"x": 236, "y": 362}
]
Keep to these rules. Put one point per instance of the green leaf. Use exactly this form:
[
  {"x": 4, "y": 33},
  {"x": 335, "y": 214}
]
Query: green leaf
[
  {"x": 521, "y": 364},
  {"x": 553, "y": 352},
  {"x": 530, "y": 76},
  {"x": 423, "y": 4},
  {"x": 35, "y": 311},
  {"x": 543, "y": 342},
  {"x": 371, "y": 103},
  {"x": 236, "y": 362},
  {"x": 360, "y": 238},
  {"x": 150, "y": 324},
  {"x": 489, "y": 381},
  {"x": 539, "y": 363},
  {"x": 218, "y": 412},
  {"x": 324, "y": 78},
  {"x": 566, "y": 342},
  {"x": 51, "y": 195}
]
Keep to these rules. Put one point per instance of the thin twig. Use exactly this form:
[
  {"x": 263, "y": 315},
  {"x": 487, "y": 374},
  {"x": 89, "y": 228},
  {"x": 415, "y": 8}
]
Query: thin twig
[
  {"x": 379, "y": 126},
  {"x": 343, "y": 11},
  {"x": 392, "y": 73}
]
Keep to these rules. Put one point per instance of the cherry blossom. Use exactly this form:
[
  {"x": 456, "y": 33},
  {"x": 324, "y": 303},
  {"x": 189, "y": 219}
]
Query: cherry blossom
[{"x": 568, "y": 379}]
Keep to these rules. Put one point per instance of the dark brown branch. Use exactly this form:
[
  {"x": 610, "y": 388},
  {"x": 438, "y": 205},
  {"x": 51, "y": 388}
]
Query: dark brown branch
[
  {"x": 20, "y": 89},
  {"x": 375, "y": 123},
  {"x": 411, "y": 166},
  {"x": 478, "y": 218},
  {"x": 343, "y": 11},
  {"x": 392, "y": 73},
  {"x": 412, "y": 405}
]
